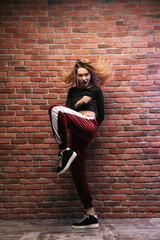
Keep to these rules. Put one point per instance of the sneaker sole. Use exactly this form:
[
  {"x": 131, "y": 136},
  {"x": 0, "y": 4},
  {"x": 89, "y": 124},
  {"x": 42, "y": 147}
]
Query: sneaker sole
[
  {"x": 68, "y": 164},
  {"x": 86, "y": 226}
]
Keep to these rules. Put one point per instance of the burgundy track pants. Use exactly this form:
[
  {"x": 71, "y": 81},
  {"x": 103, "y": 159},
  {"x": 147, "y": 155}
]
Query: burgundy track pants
[{"x": 82, "y": 130}]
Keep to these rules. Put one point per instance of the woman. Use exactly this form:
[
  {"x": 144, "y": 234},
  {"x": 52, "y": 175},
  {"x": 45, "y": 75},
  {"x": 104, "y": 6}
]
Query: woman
[{"x": 83, "y": 113}]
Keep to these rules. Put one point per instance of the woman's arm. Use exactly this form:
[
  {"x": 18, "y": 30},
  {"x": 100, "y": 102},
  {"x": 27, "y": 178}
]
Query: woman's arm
[
  {"x": 69, "y": 102},
  {"x": 83, "y": 100},
  {"x": 100, "y": 106}
]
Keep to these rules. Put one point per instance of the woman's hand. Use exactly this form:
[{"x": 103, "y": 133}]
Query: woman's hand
[{"x": 84, "y": 99}]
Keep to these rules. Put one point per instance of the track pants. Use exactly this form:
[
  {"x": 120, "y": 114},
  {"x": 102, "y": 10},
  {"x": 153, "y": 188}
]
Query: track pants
[{"x": 82, "y": 131}]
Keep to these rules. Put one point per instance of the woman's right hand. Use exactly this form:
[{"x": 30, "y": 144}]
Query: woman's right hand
[{"x": 83, "y": 100}]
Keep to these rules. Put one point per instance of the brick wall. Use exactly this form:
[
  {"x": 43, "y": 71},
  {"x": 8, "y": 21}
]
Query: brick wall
[{"x": 40, "y": 38}]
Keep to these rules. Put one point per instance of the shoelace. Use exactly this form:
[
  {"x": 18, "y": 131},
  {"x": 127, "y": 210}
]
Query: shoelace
[
  {"x": 85, "y": 216},
  {"x": 60, "y": 160}
]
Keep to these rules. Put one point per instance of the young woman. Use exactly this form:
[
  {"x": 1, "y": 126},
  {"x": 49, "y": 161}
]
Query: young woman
[{"x": 83, "y": 113}]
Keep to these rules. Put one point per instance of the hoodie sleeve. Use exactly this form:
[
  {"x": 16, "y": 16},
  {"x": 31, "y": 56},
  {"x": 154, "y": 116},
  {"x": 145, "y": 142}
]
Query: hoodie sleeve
[
  {"x": 100, "y": 106},
  {"x": 69, "y": 102}
]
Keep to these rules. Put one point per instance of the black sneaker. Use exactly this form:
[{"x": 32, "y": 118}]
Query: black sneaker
[
  {"x": 88, "y": 221},
  {"x": 65, "y": 160}
]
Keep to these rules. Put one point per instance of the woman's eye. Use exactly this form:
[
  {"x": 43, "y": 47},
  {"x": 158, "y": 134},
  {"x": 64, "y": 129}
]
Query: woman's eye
[{"x": 81, "y": 75}]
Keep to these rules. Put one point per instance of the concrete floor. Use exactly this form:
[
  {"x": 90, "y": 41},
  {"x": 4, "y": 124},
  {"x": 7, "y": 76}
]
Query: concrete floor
[{"x": 51, "y": 229}]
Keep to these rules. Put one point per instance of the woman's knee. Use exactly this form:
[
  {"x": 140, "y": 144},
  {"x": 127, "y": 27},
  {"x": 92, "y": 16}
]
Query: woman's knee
[{"x": 52, "y": 108}]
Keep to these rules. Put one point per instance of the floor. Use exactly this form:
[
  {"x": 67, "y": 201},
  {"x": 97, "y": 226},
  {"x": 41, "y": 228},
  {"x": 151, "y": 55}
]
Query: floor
[{"x": 51, "y": 229}]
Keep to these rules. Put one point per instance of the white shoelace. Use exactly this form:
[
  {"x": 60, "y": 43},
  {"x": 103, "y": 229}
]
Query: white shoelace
[
  {"x": 60, "y": 155},
  {"x": 85, "y": 216}
]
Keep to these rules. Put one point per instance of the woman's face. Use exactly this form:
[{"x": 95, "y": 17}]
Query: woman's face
[{"x": 83, "y": 77}]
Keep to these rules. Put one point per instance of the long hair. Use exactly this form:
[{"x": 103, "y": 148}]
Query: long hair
[{"x": 99, "y": 69}]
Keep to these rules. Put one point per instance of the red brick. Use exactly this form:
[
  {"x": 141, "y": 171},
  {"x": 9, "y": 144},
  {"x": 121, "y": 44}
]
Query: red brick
[{"x": 125, "y": 152}]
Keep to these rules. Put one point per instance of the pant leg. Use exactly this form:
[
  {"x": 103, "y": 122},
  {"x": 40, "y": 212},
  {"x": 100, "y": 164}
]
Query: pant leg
[
  {"x": 78, "y": 171},
  {"x": 64, "y": 119},
  {"x": 83, "y": 129},
  {"x": 79, "y": 144},
  {"x": 54, "y": 115}
]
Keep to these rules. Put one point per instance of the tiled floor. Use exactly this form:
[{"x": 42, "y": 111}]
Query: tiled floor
[{"x": 110, "y": 229}]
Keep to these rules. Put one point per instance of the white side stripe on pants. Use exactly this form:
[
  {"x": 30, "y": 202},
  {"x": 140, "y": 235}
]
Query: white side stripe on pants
[{"x": 54, "y": 116}]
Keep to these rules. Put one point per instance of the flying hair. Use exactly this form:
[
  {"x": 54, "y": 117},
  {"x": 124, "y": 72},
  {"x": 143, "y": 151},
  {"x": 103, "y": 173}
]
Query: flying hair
[{"x": 100, "y": 70}]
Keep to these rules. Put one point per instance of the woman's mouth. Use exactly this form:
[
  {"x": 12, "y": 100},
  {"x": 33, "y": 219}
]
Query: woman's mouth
[{"x": 84, "y": 83}]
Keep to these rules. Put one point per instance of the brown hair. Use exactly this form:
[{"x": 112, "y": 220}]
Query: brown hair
[{"x": 100, "y": 71}]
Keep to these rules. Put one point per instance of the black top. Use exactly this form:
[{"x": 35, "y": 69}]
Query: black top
[{"x": 95, "y": 105}]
